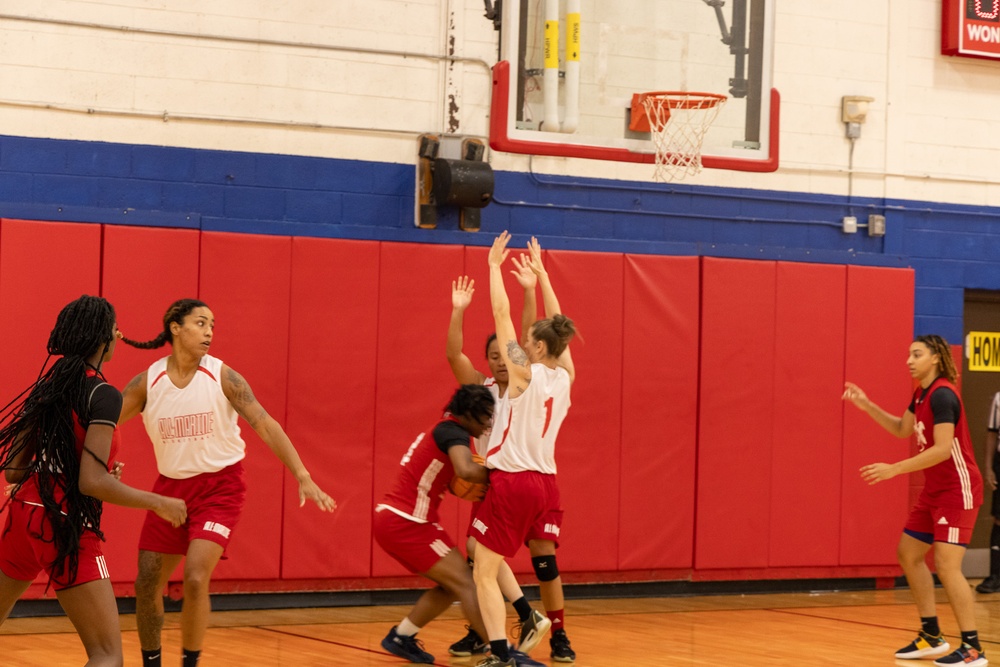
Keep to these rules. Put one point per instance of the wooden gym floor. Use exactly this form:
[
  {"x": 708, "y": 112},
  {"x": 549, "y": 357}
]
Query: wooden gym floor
[{"x": 854, "y": 629}]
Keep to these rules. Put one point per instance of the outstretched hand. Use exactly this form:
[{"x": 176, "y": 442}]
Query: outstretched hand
[
  {"x": 523, "y": 273},
  {"x": 499, "y": 251},
  {"x": 535, "y": 257},
  {"x": 461, "y": 292},
  {"x": 308, "y": 490},
  {"x": 855, "y": 394}
]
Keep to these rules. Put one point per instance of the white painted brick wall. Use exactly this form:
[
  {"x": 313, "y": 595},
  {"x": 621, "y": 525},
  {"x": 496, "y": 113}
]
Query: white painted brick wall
[{"x": 930, "y": 133}]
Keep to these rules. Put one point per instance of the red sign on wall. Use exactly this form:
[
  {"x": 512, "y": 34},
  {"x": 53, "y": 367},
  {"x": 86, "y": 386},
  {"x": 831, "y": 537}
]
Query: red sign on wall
[{"x": 971, "y": 28}]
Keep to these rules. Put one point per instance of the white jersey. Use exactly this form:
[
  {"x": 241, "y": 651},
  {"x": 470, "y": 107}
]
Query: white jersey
[
  {"x": 193, "y": 429},
  {"x": 525, "y": 428},
  {"x": 483, "y": 441}
]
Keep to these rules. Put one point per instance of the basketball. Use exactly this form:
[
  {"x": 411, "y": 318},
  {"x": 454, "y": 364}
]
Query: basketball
[{"x": 468, "y": 490}]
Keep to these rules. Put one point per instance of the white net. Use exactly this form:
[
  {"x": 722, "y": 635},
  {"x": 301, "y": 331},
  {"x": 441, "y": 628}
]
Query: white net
[{"x": 678, "y": 122}]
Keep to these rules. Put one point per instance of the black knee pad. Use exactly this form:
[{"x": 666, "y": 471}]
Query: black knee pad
[{"x": 545, "y": 568}]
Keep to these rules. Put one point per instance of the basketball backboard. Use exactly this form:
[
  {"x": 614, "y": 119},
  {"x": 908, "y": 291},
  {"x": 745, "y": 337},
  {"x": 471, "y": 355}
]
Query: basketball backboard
[{"x": 576, "y": 101}]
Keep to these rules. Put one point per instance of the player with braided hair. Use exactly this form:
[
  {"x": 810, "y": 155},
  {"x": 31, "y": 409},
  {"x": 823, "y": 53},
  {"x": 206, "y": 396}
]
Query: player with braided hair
[
  {"x": 189, "y": 402},
  {"x": 945, "y": 512},
  {"x": 57, "y": 449},
  {"x": 406, "y": 521}
]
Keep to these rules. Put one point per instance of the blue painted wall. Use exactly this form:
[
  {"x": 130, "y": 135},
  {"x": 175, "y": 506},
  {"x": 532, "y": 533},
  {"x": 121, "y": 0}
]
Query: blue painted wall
[{"x": 950, "y": 247}]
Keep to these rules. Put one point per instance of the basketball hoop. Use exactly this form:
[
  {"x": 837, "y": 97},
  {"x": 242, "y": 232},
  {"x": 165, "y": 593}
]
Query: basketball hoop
[{"x": 678, "y": 122}]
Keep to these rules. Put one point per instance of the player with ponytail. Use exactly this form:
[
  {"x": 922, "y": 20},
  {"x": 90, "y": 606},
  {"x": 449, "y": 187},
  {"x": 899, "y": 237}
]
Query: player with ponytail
[
  {"x": 523, "y": 500},
  {"x": 189, "y": 402},
  {"x": 945, "y": 512}
]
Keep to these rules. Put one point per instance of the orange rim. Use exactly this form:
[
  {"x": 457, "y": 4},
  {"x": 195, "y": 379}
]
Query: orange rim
[{"x": 679, "y": 99}]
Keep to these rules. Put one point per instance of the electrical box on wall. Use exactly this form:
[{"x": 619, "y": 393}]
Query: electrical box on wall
[{"x": 970, "y": 29}]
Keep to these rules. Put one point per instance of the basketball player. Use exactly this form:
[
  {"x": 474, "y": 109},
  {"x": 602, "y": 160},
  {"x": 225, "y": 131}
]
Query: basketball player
[
  {"x": 523, "y": 494},
  {"x": 945, "y": 512},
  {"x": 406, "y": 521},
  {"x": 189, "y": 402},
  {"x": 992, "y": 583},
  {"x": 57, "y": 450},
  {"x": 542, "y": 546}
]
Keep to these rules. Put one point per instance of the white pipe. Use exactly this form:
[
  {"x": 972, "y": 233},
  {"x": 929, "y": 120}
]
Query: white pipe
[
  {"x": 550, "y": 82},
  {"x": 572, "y": 67}
]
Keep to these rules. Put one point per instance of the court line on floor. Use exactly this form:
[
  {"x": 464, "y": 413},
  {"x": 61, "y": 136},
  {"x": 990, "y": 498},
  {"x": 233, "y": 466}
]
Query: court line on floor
[{"x": 363, "y": 649}]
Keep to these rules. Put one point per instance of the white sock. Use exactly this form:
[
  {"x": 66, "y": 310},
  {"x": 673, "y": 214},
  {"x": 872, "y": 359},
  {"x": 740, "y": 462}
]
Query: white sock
[{"x": 406, "y": 628}]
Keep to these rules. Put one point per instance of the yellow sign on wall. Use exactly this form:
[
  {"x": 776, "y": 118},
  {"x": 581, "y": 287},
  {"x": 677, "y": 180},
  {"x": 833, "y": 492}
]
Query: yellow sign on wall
[{"x": 982, "y": 349}]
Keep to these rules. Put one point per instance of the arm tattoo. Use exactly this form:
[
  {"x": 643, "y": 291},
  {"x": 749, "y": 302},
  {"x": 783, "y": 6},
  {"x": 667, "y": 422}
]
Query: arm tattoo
[
  {"x": 243, "y": 399},
  {"x": 135, "y": 382},
  {"x": 516, "y": 354}
]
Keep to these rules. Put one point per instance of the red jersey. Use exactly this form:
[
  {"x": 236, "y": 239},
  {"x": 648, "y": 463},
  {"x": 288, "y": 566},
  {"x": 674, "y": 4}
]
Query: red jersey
[
  {"x": 426, "y": 470},
  {"x": 105, "y": 406},
  {"x": 955, "y": 482}
]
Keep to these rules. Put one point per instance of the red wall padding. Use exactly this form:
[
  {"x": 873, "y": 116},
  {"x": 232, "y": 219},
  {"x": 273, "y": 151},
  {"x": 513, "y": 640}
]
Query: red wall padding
[
  {"x": 879, "y": 332},
  {"x": 246, "y": 281},
  {"x": 806, "y": 453},
  {"x": 734, "y": 443},
  {"x": 145, "y": 270},
  {"x": 331, "y": 404},
  {"x": 413, "y": 381},
  {"x": 736, "y": 414},
  {"x": 43, "y": 266},
  {"x": 589, "y": 286},
  {"x": 659, "y": 411}
]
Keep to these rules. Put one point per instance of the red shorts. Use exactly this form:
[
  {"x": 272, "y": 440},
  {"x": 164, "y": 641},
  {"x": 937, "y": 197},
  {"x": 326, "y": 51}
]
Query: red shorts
[
  {"x": 27, "y": 548},
  {"x": 547, "y": 527},
  {"x": 417, "y": 546},
  {"x": 214, "y": 505},
  {"x": 946, "y": 524},
  {"x": 515, "y": 509}
]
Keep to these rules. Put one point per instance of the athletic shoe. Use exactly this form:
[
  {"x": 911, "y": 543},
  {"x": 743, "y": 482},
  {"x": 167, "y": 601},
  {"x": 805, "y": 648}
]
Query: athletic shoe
[
  {"x": 530, "y": 632},
  {"x": 523, "y": 659},
  {"x": 468, "y": 645},
  {"x": 964, "y": 655},
  {"x": 924, "y": 646},
  {"x": 410, "y": 648},
  {"x": 561, "y": 650},
  {"x": 493, "y": 661},
  {"x": 990, "y": 584}
]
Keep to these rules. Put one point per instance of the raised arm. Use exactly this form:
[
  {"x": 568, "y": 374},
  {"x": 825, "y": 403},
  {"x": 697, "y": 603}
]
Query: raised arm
[
  {"x": 518, "y": 367},
  {"x": 461, "y": 367},
  {"x": 901, "y": 427},
  {"x": 247, "y": 406},
  {"x": 527, "y": 279},
  {"x": 133, "y": 398},
  {"x": 549, "y": 300}
]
